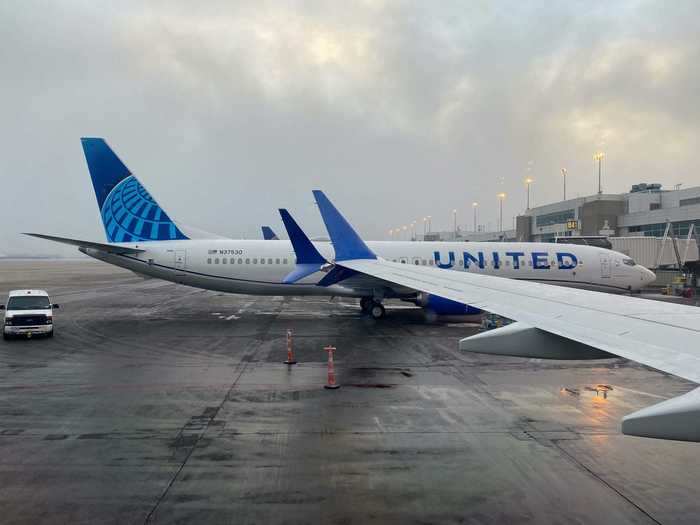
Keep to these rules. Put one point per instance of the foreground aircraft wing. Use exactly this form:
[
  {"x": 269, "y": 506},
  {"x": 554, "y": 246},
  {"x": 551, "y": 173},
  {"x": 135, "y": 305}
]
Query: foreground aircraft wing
[
  {"x": 104, "y": 247},
  {"x": 658, "y": 334}
]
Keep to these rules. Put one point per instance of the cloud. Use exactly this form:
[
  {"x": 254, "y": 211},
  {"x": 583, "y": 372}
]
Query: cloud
[{"x": 227, "y": 111}]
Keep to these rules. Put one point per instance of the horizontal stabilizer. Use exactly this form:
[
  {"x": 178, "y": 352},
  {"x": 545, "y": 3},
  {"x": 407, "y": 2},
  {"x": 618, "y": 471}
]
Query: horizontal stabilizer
[
  {"x": 103, "y": 247},
  {"x": 677, "y": 418},
  {"x": 522, "y": 340},
  {"x": 309, "y": 260}
]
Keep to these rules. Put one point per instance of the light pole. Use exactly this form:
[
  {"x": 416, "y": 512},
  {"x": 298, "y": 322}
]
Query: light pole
[
  {"x": 429, "y": 223},
  {"x": 475, "y": 205},
  {"x": 425, "y": 222},
  {"x": 405, "y": 230},
  {"x": 563, "y": 172},
  {"x": 528, "y": 181},
  {"x": 413, "y": 231},
  {"x": 391, "y": 234},
  {"x": 599, "y": 157},
  {"x": 454, "y": 220},
  {"x": 501, "y": 197}
]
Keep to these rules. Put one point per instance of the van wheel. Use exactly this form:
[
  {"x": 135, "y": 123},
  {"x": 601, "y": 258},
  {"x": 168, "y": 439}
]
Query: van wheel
[
  {"x": 50, "y": 334},
  {"x": 5, "y": 336}
]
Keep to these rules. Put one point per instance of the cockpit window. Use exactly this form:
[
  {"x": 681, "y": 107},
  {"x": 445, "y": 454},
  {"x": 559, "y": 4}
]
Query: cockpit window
[{"x": 629, "y": 262}]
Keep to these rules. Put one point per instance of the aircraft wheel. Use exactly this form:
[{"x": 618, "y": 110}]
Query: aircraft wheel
[
  {"x": 377, "y": 311},
  {"x": 366, "y": 304}
]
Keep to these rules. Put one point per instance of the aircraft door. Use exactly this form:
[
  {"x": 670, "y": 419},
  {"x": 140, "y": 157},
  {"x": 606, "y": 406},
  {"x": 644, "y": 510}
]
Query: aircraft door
[
  {"x": 604, "y": 265},
  {"x": 403, "y": 260},
  {"x": 180, "y": 261}
]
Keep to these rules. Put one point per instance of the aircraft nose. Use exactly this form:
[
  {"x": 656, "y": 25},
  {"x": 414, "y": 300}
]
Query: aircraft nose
[{"x": 648, "y": 276}]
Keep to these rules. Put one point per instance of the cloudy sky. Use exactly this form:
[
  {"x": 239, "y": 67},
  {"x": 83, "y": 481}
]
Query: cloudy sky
[{"x": 228, "y": 110}]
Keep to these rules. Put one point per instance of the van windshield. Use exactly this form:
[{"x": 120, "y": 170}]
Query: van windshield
[{"x": 28, "y": 302}]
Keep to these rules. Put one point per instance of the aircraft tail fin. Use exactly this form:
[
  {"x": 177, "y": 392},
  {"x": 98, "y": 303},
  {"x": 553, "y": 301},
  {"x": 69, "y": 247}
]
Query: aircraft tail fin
[
  {"x": 269, "y": 234},
  {"x": 129, "y": 213}
]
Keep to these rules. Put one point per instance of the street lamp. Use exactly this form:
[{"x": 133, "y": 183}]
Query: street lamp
[
  {"x": 454, "y": 217},
  {"x": 528, "y": 181},
  {"x": 430, "y": 223},
  {"x": 599, "y": 157},
  {"x": 413, "y": 231},
  {"x": 425, "y": 221},
  {"x": 405, "y": 229},
  {"x": 501, "y": 196},
  {"x": 391, "y": 234},
  {"x": 563, "y": 172},
  {"x": 475, "y": 205}
]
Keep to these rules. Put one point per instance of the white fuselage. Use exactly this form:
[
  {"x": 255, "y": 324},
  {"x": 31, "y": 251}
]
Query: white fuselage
[{"x": 258, "y": 267}]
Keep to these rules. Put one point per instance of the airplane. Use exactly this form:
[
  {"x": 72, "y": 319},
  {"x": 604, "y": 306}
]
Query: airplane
[
  {"x": 551, "y": 322},
  {"x": 269, "y": 234},
  {"x": 143, "y": 238}
]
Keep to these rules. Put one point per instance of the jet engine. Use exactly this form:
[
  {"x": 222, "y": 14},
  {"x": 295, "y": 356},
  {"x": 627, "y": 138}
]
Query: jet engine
[{"x": 446, "y": 309}]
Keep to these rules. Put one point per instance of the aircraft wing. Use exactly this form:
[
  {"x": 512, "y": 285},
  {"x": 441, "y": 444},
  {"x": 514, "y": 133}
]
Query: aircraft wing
[
  {"x": 658, "y": 334},
  {"x": 104, "y": 247}
]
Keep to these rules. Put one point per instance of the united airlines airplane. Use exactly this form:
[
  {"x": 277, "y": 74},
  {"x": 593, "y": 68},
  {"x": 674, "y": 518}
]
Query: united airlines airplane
[{"x": 143, "y": 238}]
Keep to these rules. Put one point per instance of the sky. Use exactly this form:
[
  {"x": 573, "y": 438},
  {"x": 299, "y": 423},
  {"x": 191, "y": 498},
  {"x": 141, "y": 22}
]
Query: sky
[{"x": 227, "y": 111}]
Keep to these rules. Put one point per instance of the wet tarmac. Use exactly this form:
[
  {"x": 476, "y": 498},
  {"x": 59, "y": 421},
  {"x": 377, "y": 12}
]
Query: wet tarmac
[{"x": 165, "y": 404}]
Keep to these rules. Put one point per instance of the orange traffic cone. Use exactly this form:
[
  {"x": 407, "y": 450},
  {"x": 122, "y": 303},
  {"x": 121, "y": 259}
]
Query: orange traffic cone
[
  {"x": 290, "y": 354},
  {"x": 331, "y": 384}
]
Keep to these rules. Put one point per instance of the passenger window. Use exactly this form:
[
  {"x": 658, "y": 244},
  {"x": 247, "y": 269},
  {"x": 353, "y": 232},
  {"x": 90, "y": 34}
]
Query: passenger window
[
  {"x": 255, "y": 261},
  {"x": 529, "y": 263},
  {"x": 216, "y": 261},
  {"x": 240, "y": 261},
  {"x": 262, "y": 260},
  {"x": 269, "y": 261},
  {"x": 417, "y": 262},
  {"x": 507, "y": 263},
  {"x": 580, "y": 262},
  {"x": 460, "y": 262},
  {"x": 430, "y": 261},
  {"x": 424, "y": 262},
  {"x": 277, "y": 261},
  {"x": 284, "y": 261},
  {"x": 394, "y": 260},
  {"x": 209, "y": 260},
  {"x": 224, "y": 260},
  {"x": 247, "y": 261}
]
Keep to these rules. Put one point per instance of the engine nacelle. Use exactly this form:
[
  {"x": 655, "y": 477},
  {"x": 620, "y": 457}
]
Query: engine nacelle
[{"x": 439, "y": 306}]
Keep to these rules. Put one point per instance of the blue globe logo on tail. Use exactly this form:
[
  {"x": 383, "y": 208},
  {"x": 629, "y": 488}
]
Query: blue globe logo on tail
[{"x": 129, "y": 213}]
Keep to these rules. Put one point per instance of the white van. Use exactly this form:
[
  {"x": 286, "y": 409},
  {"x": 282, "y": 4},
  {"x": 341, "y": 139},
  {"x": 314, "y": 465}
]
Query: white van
[{"x": 28, "y": 313}]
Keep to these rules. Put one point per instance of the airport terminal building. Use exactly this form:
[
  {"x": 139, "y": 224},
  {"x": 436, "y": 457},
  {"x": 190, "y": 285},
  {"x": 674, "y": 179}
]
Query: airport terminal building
[{"x": 644, "y": 211}]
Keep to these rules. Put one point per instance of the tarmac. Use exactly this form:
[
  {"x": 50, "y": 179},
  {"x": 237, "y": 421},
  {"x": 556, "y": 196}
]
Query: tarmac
[{"x": 158, "y": 403}]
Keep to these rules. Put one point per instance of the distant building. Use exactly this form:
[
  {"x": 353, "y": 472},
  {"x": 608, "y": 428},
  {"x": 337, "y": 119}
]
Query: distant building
[
  {"x": 464, "y": 236},
  {"x": 644, "y": 211}
]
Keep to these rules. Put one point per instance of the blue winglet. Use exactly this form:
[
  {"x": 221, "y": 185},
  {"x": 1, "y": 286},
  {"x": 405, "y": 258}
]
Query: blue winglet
[
  {"x": 269, "y": 234},
  {"x": 309, "y": 260},
  {"x": 347, "y": 243}
]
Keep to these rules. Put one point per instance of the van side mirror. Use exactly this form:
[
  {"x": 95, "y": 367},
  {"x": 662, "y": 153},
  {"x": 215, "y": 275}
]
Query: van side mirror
[
  {"x": 55, "y": 306},
  {"x": 2, "y": 306}
]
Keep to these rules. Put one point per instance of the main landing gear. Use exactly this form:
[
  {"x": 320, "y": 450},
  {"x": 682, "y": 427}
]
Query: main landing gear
[{"x": 372, "y": 307}]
